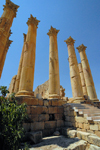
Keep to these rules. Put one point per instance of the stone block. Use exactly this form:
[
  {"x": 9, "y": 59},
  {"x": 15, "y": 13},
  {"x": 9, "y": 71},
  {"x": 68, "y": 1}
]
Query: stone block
[
  {"x": 80, "y": 145},
  {"x": 97, "y": 133},
  {"x": 65, "y": 113},
  {"x": 56, "y": 133},
  {"x": 45, "y": 102},
  {"x": 52, "y": 110},
  {"x": 81, "y": 119},
  {"x": 40, "y": 102},
  {"x": 60, "y": 123},
  {"x": 65, "y": 130},
  {"x": 27, "y": 126},
  {"x": 67, "y": 118},
  {"x": 54, "y": 102},
  {"x": 28, "y": 110},
  {"x": 36, "y": 109},
  {"x": 93, "y": 147},
  {"x": 72, "y": 119},
  {"x": 81, "y": 125},
  {"x": 86, "y": 126},
  {"x": 47, "y": 132},
  {"x": 72, "y": 133},
  {"x": 34, "y": 118},
  {"x": 58, "y": 116},
  {"x": 60, "y": 102},
  {"x": 43, "y": 117},
  {"x": 90, "y": 131},
  {"x": 94, "y": 127},
  {"x": 60, "y": 110},
  {"x": 99, "y": 126},
  {"x": 68, "y": 124},
  {"x": 95, "y": 140},
  {"x": 50, "y": 124},
  {"x": 37, "y": 126},
  {"x": 45, "y": 110},
  {"x": 35, "y": 137},
  {"x": 83, "y": 135}
]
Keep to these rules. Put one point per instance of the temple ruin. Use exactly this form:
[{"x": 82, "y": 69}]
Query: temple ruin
[{"x": 48, "y": 108}]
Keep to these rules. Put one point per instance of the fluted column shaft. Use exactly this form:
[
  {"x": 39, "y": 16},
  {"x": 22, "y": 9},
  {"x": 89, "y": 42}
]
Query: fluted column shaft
[
  {"x": 6, "y": 20},
  {"x": 82, "y": 79},
  {"x": 20, "y": 68},
  {"x": 74, "y": 72},
  {"x": 87, "y": 73},
  {"x": 28, "y": 65},
  {"x": 54, "y": 81}
]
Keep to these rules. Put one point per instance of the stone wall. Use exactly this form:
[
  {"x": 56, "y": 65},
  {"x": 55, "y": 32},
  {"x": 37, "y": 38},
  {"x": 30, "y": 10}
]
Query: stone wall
[
  {"x": 43, "y": 90},
  {"x": 44, "y": 115}
]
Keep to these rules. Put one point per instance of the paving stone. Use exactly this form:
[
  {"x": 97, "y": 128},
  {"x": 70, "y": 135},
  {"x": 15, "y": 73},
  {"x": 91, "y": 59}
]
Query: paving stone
[
  {"x": 83, "y": 135},
  {"x": 95, "y": 140}
]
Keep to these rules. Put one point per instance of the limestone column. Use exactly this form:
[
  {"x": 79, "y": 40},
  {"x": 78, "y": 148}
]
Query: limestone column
[
  {"x": 74, "y": 72},
  {"x": 6, "y": 20},
  {"x": 87, "y": 73},
  {"x": 20, "y": 68},
  {"x": 4, "y": 55},
  {"x": 28, "y": 65},
  {"x": 54, "y": 81},
  {"x": 82, "y": 79}
]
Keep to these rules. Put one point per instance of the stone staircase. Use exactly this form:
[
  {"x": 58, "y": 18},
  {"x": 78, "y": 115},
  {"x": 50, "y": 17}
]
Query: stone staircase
[
  {"x": 83, "y": 117},
  {"x": 89, "y": 112}
]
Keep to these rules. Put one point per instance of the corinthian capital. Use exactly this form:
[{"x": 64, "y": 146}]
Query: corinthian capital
[
  {"x": 32, "y": 20},
  {"x": 81, "y": 48},
  {"x": 11, "y": 6},
  {"x": 53, "y": 31},
  {"x": 69, "y": 41}
]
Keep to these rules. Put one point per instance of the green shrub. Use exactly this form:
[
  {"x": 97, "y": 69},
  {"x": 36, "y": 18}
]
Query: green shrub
[{"x": 12, "y": 117}]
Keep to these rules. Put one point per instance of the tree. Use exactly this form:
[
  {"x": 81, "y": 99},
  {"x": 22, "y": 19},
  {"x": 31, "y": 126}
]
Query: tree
[{"x": 12, "y": 117}]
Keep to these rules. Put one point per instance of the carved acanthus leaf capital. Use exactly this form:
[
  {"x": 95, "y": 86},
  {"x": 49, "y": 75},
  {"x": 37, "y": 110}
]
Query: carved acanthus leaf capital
[
  {"x": 53, "y": 31},
  {"x": 69, "y": 41},
  {"x": 32, "y": 20},
  {"x": 12, "y": 6},
  {"x": 24, "y": 37},
  {"x": 81, "y": 48}
]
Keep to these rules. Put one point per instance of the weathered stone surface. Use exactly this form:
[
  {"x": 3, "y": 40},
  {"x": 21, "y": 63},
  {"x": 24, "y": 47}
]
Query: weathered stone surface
[
  {"x": 34, "y": 118},
  {"x": 46, "y": 102},
  {"x": 56, "y": 133},
  {"x": 83, "y": 135},
  {"x": 37, "y": 126},
  {"x": 54, "y": 102},
  {"x": 58, "y": 116},
  {"x": 60, "y": 110},
  {"x": 86, "y": 126},
  {"x": 27, "y": 126},
  {"x": 53, "y": 110},
  {"x": 94, "y": 127},
  {"x": 72, "y": 133},
  {"x": 95, "y": 140},
  {"x": 93, "y": 147},
  {"x": 80, "y": 145},
  {"x": 81, "y": 119},
  {"x": 50, "y": 124},
  {"x": 97, "y": 133},
  {"x": 60, "y": 123},
  {"x": 43, "y": 117},
  {"x": 35, "y": 137},
  {"x": 40, "y": 102}
]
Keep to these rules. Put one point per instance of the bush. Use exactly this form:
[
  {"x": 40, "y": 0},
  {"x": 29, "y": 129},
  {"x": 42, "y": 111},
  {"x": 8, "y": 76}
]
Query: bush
[{"x": 12, "y": 117}]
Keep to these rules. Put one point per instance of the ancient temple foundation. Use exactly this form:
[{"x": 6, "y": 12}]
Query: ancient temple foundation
[
  {"x": 54, "y": 81},
  {"x": 74, "y": 72},
  {"x": 87, "y": 73},
  {"x": 28, "y": 65},
  {"x": 6, "y": 20}
]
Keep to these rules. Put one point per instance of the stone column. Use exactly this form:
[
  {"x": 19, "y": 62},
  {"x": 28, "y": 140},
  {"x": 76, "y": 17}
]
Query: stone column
[
  {"x": 74, "y": 72},
  {"x": 54, "y": 81},
  {"x": 20, "y": 68},
  {"x": 4, "y": 54},
  {"x": 87, "y": 73},
  {"x": 6, "y": 20},
  {"x": 28, "y": 65},
  {"x": 82, "y": 79}
]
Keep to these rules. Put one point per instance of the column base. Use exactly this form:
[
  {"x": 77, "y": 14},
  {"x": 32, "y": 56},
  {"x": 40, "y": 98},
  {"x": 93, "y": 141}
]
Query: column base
[
  {"x": 78, "y": 100},
  {"x": 24, "y": 92},
  {"x": 94, "y": 100},
  {"x": 51, "y": 96}
]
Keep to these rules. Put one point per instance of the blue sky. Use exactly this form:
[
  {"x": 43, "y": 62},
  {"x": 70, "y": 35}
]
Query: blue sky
[{"x": 77, "y": 18}]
